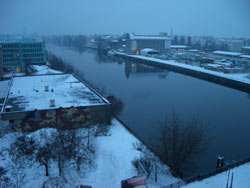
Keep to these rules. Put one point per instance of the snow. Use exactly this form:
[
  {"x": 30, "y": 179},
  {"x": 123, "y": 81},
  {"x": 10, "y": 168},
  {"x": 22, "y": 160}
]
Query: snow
[
  {"x": 227, "y": 53},
  {"x": 28, "y": 93},
  {"x": 241, "y": 77},
  {"x": 148, "y": 50},
  {"x": 132, "y": 36},
  {"x": 241, "y": 179},
  {"x": 246, "y": 47},
  {"x": 113, "y": 161},
  {"x": 245, "y": 56},
  {"x": 179, "y": 46},
  {"x": 43, "y": 69},
  {"x": 114, "y": 156},
  {"x": 148, "y": 37}
]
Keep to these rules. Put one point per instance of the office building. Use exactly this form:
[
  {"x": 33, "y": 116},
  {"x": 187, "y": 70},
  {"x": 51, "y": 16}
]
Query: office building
[{"x": 19, "y": 51}]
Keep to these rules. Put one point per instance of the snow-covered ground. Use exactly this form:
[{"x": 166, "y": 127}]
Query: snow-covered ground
[
  {"x": 241, "y": 179},
  {"x": 112, "y": 162},
  {"x": 242, "y": 77}
]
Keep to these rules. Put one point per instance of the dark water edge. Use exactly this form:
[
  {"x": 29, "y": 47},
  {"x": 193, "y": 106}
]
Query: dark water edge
[{"x": 151, "y": 93}]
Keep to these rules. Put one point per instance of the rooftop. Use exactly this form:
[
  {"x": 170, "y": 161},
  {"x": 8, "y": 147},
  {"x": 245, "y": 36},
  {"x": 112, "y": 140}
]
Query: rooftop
[
  {"x": 29, "y": 93},
  {"x": 245, "y": 56},
  {"x": 132, "y": 36},
  {"x": 246, "y": 47},
  {"x": 19, "y": 39},
  {"x": 148, "y": 50},
  {"x": 179, "y": 46},
  {"x": 227, "y": 53}
]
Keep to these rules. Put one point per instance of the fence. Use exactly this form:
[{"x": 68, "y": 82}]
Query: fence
[{"x": 208, "y": 174}]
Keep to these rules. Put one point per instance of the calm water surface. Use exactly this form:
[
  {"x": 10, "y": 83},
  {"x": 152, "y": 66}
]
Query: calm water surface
[{"x": 149, "y": 94}]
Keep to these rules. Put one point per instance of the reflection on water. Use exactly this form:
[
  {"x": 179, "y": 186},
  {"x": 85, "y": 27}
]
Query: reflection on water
[
  {"x": 149, "y": 94},
  {"x": 138, "y": 70}
]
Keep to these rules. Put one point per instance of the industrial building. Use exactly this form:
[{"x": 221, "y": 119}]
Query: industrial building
[
  {"x": 19, "y": 51},
  {"x": 135, "y": 43},
  {"x": 235, "y": 45},
  {"x": 246, "y": 50},
  {"x": 61, "y": 100}
]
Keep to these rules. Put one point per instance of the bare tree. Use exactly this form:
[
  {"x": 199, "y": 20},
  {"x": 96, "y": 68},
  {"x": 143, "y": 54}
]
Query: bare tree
[{"x": 179, "y": 141}]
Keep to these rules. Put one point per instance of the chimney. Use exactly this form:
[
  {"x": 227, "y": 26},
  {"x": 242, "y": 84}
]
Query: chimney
[
  {"x": 46, "y": 88},
  {"x": 52, "y": 103}
]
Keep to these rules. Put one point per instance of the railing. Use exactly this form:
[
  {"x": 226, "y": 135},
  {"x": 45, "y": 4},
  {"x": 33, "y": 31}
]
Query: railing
[{"x": 208, "y": 174}]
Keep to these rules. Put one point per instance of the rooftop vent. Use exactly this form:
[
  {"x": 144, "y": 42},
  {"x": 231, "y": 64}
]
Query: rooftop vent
[
  {"x": 52, "y": 103},
  {"x": 46, "y": 88}
]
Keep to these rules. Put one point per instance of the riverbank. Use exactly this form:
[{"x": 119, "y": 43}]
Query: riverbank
[
  {"x": 241, "y": 178},
  {"x": 235, "y": 81}
]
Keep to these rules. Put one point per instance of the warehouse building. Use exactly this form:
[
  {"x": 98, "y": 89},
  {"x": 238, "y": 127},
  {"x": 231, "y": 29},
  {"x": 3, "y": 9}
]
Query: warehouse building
[
  {"x": 57, "y": 101},
  {"x": 135, "y": 43}
]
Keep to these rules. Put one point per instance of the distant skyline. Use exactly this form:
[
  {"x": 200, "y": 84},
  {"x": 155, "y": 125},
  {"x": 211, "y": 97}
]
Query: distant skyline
[{"x": 219, "y": 18}]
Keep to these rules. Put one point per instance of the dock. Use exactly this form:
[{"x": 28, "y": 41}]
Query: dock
[{"x": 235, "y": 81}]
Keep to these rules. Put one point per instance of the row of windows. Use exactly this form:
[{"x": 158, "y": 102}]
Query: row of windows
[
  {"x": 10, "y": 55},
  {"x": 33, "y": 55},
  {"x": 10, "y": 50},
  {"x": 24, "y": 55},
  {"x": 28, "y": 60},
  {"x": 34, "y": 45},
  {"x": 10, "y": 59},
  {"x": 32, "y": 50},
  {"x": 10, "y": 46}
]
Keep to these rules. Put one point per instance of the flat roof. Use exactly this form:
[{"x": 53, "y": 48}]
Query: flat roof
[
  {"x": 179, "y": 46},
  {"x": 148, "y": 50},
  {"x": 246, "y": 47},
  {"x": 245, "y": 56},
  {"x": 28, "y": 93},
  {"x": 227, "y": 53},
  {"x": 19, "y": 39},
  {"x": 150, "y": 37},
  {"x": 147, "y": 37}
]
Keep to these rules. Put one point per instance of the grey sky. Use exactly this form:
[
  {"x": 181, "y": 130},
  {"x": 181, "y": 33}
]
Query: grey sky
[{"x": 195, "y": 17}]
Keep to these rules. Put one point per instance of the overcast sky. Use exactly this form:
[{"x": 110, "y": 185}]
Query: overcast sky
[{"x": 190, "y": 17}]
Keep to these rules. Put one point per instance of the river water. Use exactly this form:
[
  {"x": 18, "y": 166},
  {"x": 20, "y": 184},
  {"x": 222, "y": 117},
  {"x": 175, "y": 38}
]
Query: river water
[{"x": 149, "y": 94}]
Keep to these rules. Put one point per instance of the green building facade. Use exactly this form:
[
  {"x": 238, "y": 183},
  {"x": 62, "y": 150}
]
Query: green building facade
[{"x": 19, "y": 51}]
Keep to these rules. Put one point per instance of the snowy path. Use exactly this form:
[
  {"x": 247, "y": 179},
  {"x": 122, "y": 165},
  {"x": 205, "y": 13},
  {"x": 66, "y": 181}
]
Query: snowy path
[{"x": 114, "y": 156}]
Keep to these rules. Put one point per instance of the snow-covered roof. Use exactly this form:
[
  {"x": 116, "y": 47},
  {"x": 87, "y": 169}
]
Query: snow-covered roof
[
  {"x": 132, "y": 36},
  {"x": 19, "y": 39},
  {"x": 245, "y": 56},
  {"x": 193, "y": 50},
  {"x": 213, "y": 65},
  {"x": 29, "y": 93},
  {"x": 179, "y": 46},
  {"x": 246, "y": 47},
  {"x": 148, "y": 50},
  {"x": 227, "y": 53}
]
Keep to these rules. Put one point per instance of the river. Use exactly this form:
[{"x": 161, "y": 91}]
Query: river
[{"x": 149, "y": 94}]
